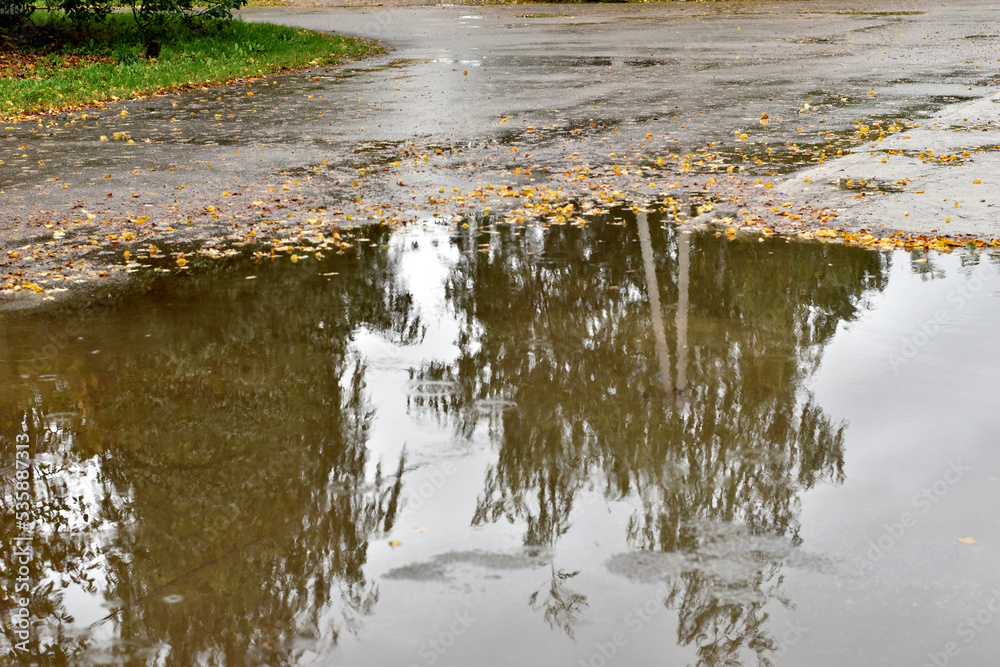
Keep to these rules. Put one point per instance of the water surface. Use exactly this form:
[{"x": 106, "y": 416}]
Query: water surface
[{"x": 483, "y": 446}]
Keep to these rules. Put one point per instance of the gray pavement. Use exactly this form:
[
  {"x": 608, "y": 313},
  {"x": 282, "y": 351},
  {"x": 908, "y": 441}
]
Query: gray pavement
[{"x": 777, "y": 113}]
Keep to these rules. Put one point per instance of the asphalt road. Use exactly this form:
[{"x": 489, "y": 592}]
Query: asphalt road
[{"x": 775, "y": 112}]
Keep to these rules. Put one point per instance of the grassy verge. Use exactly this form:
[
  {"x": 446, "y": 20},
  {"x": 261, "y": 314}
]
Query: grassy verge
[{"x": 56, "y": 67}]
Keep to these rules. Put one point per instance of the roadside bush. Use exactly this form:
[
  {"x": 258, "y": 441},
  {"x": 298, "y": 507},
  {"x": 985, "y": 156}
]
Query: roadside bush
[
  {"x": 82, "y": 12},
  {"x": 152, "y": 16}
]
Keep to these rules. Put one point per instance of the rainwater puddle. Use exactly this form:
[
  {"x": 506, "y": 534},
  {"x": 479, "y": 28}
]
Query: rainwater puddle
[{"x": 483, "y": 446}]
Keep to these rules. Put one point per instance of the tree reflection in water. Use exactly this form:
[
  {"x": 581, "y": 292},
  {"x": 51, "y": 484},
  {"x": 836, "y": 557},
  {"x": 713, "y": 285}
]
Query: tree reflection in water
[
  {"x": 559, "y": 323},
  {"x": 209, "y": 472},
  {"x": 211, "y": 460}
]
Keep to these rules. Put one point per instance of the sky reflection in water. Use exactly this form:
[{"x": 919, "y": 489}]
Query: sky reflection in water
[{"x": 482, "y": 446}]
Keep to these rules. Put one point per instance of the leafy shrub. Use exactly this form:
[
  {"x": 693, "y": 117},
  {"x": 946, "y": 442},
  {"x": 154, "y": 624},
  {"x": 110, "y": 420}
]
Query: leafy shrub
[
  {"x": 154, "y": 16},
  {"x": 126, "y": 55}
]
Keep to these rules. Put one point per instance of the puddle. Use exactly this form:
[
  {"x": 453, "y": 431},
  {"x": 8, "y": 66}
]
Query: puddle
[{"x": 482, "y": 445}]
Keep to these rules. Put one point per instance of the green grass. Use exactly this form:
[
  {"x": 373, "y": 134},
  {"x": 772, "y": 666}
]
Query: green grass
[{"x": 214, "y": 54}]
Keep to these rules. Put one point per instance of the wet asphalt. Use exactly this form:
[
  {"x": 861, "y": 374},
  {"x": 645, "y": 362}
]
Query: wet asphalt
[{"x": 886, "y": 114}]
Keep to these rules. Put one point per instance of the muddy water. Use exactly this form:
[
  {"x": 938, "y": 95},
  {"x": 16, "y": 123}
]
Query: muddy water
[{"x": 483, "y": 446}]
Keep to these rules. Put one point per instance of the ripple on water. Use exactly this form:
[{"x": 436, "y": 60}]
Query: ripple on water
[
  {"x": 432, "y": 388},
  {"x": 494, "y": 405}
]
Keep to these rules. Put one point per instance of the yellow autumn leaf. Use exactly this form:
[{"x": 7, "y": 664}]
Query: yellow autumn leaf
[{"x": 967, "y": 540}]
